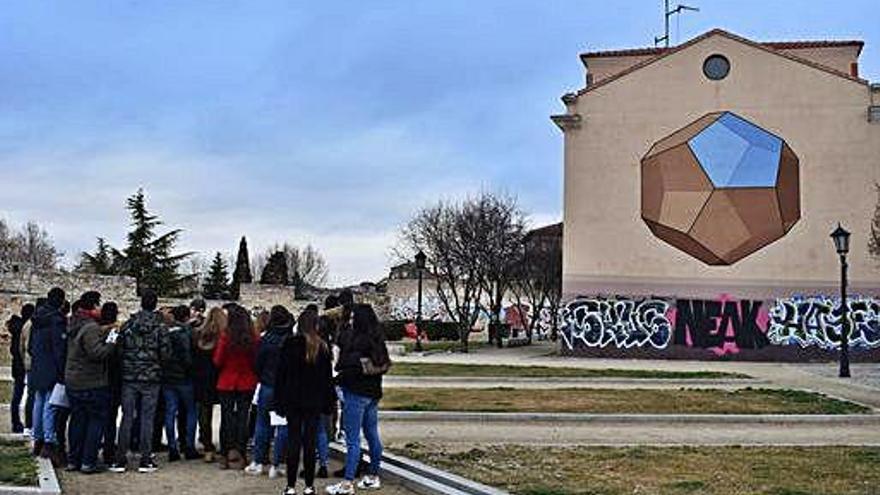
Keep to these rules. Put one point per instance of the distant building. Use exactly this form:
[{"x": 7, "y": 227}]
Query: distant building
[{"x": 701, "y": 185}]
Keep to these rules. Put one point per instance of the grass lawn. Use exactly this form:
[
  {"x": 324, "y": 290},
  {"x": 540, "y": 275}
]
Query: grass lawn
[
  {"x": 5, "y": 392},
  {"x": 17, "y": 467},
  {"x": 628, "y": 401},
  {"x": 469, "y": 370},
  {"x": 526, "y": 470}
]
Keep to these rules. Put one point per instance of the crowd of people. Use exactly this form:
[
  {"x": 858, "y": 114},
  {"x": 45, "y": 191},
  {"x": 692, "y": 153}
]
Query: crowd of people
[{"x": 283, "y": 384}]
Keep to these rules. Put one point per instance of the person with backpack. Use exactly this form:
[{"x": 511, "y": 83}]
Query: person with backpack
[
  {"x": 177, "y": 386},
  {"x": 46, "y": 348},
  {"x": 362, "y": 362},
  {"x": 304, "y": 391},
  {"x": 15, "y": 327},
  {"x": 279, "y": 327},
  {"x": 143, "y": 347},
  {"x": 87, "y": 383}
]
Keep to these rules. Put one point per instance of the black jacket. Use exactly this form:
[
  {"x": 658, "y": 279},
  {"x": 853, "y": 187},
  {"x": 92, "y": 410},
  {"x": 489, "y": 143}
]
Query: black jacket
[
  {"x": 178, "y": 368},
  {"x": 301, "y": 386},
  {"x": 14, "y": 326},
  {"x": 353, "y": 348},
  {"x": 47, "y": 347},
  {"x": 266, "y": 363}
]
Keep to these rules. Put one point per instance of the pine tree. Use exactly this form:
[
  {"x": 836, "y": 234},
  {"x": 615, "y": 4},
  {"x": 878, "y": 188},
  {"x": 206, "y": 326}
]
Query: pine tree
[
  {"x": 874, "y": 240},
  {"x": 242, "y": 273},
  {"x": 101, "y": 262},
  {"x": 147, "y": 256},
  {"x": 217, "y": 284},
  {"x": 275, "y": 272}
]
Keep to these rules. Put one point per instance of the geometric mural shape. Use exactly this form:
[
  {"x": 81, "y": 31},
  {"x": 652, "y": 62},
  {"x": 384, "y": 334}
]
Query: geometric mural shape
[{"x": 720, "y": 188}]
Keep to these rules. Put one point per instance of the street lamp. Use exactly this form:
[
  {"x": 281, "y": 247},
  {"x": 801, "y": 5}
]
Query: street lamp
[
  {"x": 420, "y": 267},
  {"x": 841, "y": 244}
]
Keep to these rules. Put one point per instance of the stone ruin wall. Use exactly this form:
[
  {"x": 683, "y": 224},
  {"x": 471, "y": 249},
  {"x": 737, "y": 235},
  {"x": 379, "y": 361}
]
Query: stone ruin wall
[{"x": 25, "y": 286}]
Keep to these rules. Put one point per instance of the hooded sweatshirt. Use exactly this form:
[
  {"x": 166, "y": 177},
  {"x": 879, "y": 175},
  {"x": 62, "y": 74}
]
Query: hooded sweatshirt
[
  {"x": 47, "y": 347},
  {"x": 144, "y": 346}
]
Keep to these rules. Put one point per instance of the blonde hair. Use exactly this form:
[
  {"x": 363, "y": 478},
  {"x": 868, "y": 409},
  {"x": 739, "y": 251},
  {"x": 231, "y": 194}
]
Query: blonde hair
[
  {"x": 208, "y": 334},
  {"x": 261, "y": 322}
]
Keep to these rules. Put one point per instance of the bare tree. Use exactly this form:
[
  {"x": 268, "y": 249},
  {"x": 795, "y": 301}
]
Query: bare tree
[
  {"x": 31, "y": 245},
  {"x": 538, "y": 280},
  {"x": 500, "y": 226},
  {"x": 306, "y": 266}
]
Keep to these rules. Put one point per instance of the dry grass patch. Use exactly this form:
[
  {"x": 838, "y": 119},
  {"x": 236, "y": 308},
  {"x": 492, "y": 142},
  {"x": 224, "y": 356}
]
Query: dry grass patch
[
  {"x": 615, "y": 401},
  {"x": 661, "y": 470}
]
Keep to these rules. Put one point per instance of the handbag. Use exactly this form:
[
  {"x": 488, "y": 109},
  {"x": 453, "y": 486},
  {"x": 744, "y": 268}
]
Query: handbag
[{"x": 59, "y": 396}]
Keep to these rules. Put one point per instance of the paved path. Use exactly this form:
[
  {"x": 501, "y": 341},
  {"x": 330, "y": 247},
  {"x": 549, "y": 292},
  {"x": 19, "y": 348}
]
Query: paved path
[
  {"x": 549, "y": 383},
  {"x": 186, "y": 478}
]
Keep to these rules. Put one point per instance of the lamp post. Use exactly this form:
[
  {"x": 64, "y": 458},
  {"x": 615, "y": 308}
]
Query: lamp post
[
  {"x": 841, "y": 244},
  {"x": 420, "y": 267}
]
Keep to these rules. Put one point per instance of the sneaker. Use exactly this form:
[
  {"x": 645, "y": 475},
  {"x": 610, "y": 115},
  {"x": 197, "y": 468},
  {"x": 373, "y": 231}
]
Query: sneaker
[
  {"x": 277, "y": 472},
  {"x": 191, "y": 454},
  {"x": 369, "y": 482},
  {"x": 254, "y": 468},
  {"x": 91, "y": 470},
  {"x": 173, "y": 456},
  {"x": 289, "y": 491},
  {"x": 71, "y": 468},
  {"x": 309, "y": 490},
  {"x": 118, "y": 467},
  {"x": 322, "y": 472},
  {"x": 342, "y": 488},
  {"x": 28, "y": 432},
  {"x": 147, "y": 466}
]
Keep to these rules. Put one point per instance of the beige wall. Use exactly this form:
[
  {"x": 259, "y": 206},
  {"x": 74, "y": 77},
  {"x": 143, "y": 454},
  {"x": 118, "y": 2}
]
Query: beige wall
[
  {"x": 603, "y": 67},
  {"x": 835, "y": 57},
  {"x": 821, "y": 116}
]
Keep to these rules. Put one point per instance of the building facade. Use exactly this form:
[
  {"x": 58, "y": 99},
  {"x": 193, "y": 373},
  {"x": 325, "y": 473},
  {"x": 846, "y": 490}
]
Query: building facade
[{"x": 701, "y": 185}]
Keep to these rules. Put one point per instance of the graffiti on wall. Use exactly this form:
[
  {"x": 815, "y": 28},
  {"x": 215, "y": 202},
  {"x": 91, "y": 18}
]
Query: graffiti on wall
[
  {"x": 622, "y": 323},
  {"x": 817, "y": 321},
  {"x": 407, "y": 308},
  {"x": 723, "y": 326}
]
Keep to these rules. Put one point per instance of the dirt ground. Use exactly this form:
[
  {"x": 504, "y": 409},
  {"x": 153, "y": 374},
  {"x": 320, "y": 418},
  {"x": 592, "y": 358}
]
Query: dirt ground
[{"x": 187, "y": 478}]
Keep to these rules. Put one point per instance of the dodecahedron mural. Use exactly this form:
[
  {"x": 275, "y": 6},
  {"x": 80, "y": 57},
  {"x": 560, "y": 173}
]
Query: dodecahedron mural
[{"x": 720, "y": 188}]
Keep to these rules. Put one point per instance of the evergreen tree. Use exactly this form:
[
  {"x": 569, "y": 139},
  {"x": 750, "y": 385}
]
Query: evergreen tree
[
  {"x": 217, "y": 284},
  {"x": 242, "y": 273},
  {"x": 101, "y": 262},
  {"x": 874, "y": 240},
  {"x": 147, "y": 256},
  {"x": 275, "y": 272}
]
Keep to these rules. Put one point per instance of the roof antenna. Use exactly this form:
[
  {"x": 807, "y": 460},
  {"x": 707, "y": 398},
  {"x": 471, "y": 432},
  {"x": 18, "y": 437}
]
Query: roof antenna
[{"x": 667, "y": 13}]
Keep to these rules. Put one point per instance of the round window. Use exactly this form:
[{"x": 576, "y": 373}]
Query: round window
[{"x": 716, "y": 67}]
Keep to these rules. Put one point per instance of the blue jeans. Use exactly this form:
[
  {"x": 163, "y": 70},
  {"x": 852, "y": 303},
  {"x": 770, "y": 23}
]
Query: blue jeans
[
  {"x": 263, "y": 430},
  {"x": 323, "y": 439},
  {"x": 89, "y": 410},
  {"x": 360, "y": 412},
  {"x": 44, "y": 418},
  {"x": 278, "y": 453},
  {"x": 177, "y": 396}
]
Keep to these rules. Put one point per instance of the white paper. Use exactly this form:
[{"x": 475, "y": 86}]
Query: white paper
[{"x": 276, "y": 420}]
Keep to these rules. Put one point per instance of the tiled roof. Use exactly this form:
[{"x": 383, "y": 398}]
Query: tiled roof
[
  {"x": 665, "y": 52},
  {"x": 776, "y": 45}
]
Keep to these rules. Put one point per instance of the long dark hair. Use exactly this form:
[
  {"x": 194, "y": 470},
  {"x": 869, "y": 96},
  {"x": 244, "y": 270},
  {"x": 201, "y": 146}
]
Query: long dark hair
[
  {"x": 368, "y": 332},
  {"x": 240, "y": 328}
]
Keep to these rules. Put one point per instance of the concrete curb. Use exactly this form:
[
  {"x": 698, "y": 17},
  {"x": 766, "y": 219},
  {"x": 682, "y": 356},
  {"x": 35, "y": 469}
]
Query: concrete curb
[
  {"x": 481, "y": 417},
  {"x": 424, "y": 479},
  {"x": 45, "y": 475}
]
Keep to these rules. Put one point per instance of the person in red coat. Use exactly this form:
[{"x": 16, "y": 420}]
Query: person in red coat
[{"x": 234, "y": 358}]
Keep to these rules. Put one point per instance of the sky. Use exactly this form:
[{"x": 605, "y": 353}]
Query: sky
[{"x": 325, "y": 123}]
